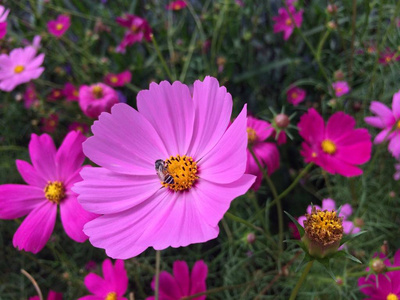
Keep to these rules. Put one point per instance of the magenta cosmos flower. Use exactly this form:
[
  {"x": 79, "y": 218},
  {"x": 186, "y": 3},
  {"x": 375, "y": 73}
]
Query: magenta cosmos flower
[
  {"x": 49, "y": 180},
  {"x": 30, "y": 96},
  {"x": 71, "y": 92},
  {"x": 112, "y": 287},
  {"x": 382, "y": 286},
  {"x": 138, "y": 29},
  {"x": 3, "y": 23},
  {"x": 117, "y": 80},
  {"x": 267, "y": 153},
  {"x": 169, "y": 171},
  {"x": 51, "y": 296},
  {"x": 389, "y": 121},
  {"x": 20, "y": 66},
  {"x": 336, "y": 147},
  {"x": 96, "y": 98},
  {"x": 177, "y": 5},
  {"x": 182, "y": 283},
  {"x": 341, "y": 88},
  {"x": 388, "y": 56},
  {"x": 295, "y": 95},
  {"x": 283, "y": 22},
  {"x": 59, "y": 26}
]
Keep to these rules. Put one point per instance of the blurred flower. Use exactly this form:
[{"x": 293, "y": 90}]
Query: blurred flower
[
  {"x": 18, "y": 67},
  {"x": 139, "y": 29},
  {"x": 240, "y": 3},
  {"x": 182, "y": 283},
  {"x": 389, "y": 121},
  {"x": 382, "y": 286},
  {"x": 112, "y": 287},
  {"x": 186, "y": 133},
  {"x": 337, "y": 147},
  {"x": 101, "y": 27},
  {"x": 293, "y": 230},
  {"x": 96, "y": 98},
  {"x": 396, "y": 175},
  {"x": 295, "y": 95},
  {"x": 338, "y": 75},
  {"x": 51, "y": 296},
  {"x": 55, "y": 94},
  {"x": 251, "y": 238},
  {"x": 341, "y": 88},
  {"x": 30, "y": 96},
  {"x": 3, "y": 23},
  {"x": 120, "y": 79},
  {"x": 49, "y": 185},
  {"x": 283, "y": 22},
  {"x": 332, "y": 9},
  {"x": 90, "y": 265},
  {"x": 36, "y": 42},
  {"x": 388, "y": 56},
  {"x": 59, "y": 26},
  {"x": 71, "y": 92},
  {"x": 121, "y": 97},
  {"x": 176, "y": 5},
  {"x": 50, "y": 123},
  {"x": 82, "y": 127},
  {"x": 267, "y": 153}
]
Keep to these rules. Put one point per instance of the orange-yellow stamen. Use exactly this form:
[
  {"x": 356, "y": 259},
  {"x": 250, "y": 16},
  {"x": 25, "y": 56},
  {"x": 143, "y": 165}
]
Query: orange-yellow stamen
[
  {"x": 97, "y": 91},
  {"x": 59, "y": 26},
  {"x": 18, "y": 69},
  {"x": 288, "y": 22},
  {"x": 398, "y": 124},
  {"x": 328, "y": 146},
  {"x": 388, "y": 58},
  {"x": 75, "y": 93},
  {"x": 54, "y": 191},
  {"x": 392, "y": 297},
  {"x": 111, "y": 296},
  {"x": 183, "y": 170},
  {"x": 134, "y": 28},
  {"x": 251, "y": 135},
  {"x": 294, "y": 95},
  {"x": 114, "y": 79}
]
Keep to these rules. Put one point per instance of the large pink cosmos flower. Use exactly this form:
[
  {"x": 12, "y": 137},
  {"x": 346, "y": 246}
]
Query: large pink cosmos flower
[
  {"x": 51, "y": 296},
  {"x": 382, "y": 286},
  {"x": 182, "y": 284},
  {"x": 3, "y": 23},
  {"x": 112, "y": 287},
  {"x": 205, "y": 158},
  {"x": 267, "y": 153},
  {"x": 389, "y": 121},
  {"x": 283, "y": 22},
  {"x": 119, "y": 79},
  {"x": 96, "y": 98},
  {"x": 59, "y": 26},
  {"x": 138, "y": 29},
  {"x": 49, "y": 185},
  {"x": 295, "y": 95},
  {"x": 19, "y": 66},
  {"x": 336, "y": 147}
]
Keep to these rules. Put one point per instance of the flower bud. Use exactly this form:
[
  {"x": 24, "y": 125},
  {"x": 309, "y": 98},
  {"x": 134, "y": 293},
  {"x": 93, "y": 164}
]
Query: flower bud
[
  {"x": 377, "y": 265},
  {"x": 385, "y": 248},
  {"x": 251, "y": 238},
  {"x": 358, "y": 222},
  {"x": 339, "y": 281},
  {"x": 282, "y": 121},
  {"x": 332, "y": 9}
]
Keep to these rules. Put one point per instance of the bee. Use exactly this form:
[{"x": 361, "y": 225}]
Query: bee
[{"x": 162, "y": 172}]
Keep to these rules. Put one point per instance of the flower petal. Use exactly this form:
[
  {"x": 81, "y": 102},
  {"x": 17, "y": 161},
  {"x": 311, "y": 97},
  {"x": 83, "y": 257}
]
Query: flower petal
[
  {"x": 383, "y": 112},
  {"x": 198, "y": 279},
  {"x": 268, "y": 154},
  {"x": 181, "y": 274},
  {"x": 29, "y": 174},
  {"x": 43, "y": 151},
  {"x": 311, "y": 127},
  {"x": 339, "y": 124},
  {"x": 97, "y": 285},
  {"x": 396, "y": 105}
]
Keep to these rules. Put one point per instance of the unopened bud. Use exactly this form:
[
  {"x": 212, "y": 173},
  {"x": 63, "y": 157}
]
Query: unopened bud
[
  {"x": 385, "y": 248},
  {"x": 339, "y": 281},
  {"x": 338, "y": 75},
  {"x": 331, "y": 25},
  {"x": 332, "y": 9},
  {"x": 358, "y": 222},
  {"x": 377, "y": 265},
  {"x": 392, "y": 194},
  {"x": 251, "y": 238},
  {"x": 282, "y": 121}
]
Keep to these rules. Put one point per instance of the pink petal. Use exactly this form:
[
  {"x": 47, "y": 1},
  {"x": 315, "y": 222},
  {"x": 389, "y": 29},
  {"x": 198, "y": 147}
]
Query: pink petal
[
  {"x": 29, "y": 174},
  {"x": 348, "y": 227},
  {"x": 120, "y": 277},
  {"x": 91, "y": 297},
  {"x": 169, "y": 287},
  {"x": 394, "y": 145},
  {"x": 396, "y": 105},
  {"x": 383, "y": 112},
  {"x": 301, "y": 220},
  {"x": 43, "y": 152},
  {"x": 311, "y": 127},
  {"x": 253, "y": 169},
  {"x": 262, "y": 128},
  {"x": 328, "y": 204},
  {"x": 198, "y": 279},
  {"x": 97, "y": 285},
  {"x": 338, "y": 125},
  {"x": 34, "y": 232},
  {"x": 181, "y": 274},
  {"x": 346, "y": 210},
  {"x": 334, "y": 165},
  {"x": 54, "y": 296},
  {"x": 268, "y": 154},
  {"x": 375, "y": 121},
  {"x": 382, "y": 136}
]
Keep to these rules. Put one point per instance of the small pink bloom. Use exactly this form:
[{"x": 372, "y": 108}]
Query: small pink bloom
[
  {"x": 59, "y": 26},
  {"x": 120, "y": 79},
  {"x": 49, "y": 179},
  {"x": 50, "y": 123},
  {"x": 96, "y": 98},
  {"x": 55, "y": 94},
  {"x": 82, "y": 127},
  {"x": 91, "y": 265},
  {"x": 388, "y": 56},
  {"x": 283, "y": 22},
  {"x": 336, "y": 147},
  {"x": 293, "y": 231},
  {"x": 341, "y": 88},
  {"x": 30, "y": 96},
  {"x": 113, "y": 286},
  {"x": 71, "y": 92},
  {"x": 138, "y": 29},
  {"x": 177, "y": 5},
  {"x": 20, "y": 66},
  {"x": 51, "y": 296},
  {"x": 3, "y": 17},
  {"x": 396, "y": 175},
  {"x": 295, "y": 95}
]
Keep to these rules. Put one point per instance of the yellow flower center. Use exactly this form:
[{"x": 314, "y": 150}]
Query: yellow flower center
[
  {"x": 75, "y": 93},
  {"x": 114, "y": 79},
  {"x": 314, "y": 154},
  {"x": 97, "y": 91},
  {"x": 338, "y": 89},
  {"x": 54, "y": 191},
  {"x": 388, "y": 59},
  {"x": 398, "y": 124},
  {"x": 59, "y": 26},
  {"x": 251, "y": 135},
  {"x": 183, "y": 170},
  {"x": 57, "y": 94},
  {"x": 18, "y": 69},
  {"x": 289, "y": 22},
  {"x": 328, "y": 146},
  {"x": 111, "y": 296},
  {"x": 134, "y": 28},
  {"x": 392, "y": 297},
  {"x": 294, "y": 95}
]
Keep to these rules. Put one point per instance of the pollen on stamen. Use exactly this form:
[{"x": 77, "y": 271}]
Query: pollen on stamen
[
  {"x": 183, "y": 170},
  {"x": 54, "y": 191}
]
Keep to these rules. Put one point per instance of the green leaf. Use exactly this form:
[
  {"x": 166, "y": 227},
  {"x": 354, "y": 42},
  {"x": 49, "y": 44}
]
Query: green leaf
[
  {"x": 325, "y": 262},
  {"x": 298, "y": 242},
  {"x": 299, "y": 227},
  {"x": 349, "y": 237},
  {"x": 307, "y": 258}
]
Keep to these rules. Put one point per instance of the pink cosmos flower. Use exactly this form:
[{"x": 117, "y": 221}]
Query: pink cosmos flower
[
  {"x": 50, "y": 123},
  {"x": 177, "y": 5},
  {"x": 200, "y": 168},
  {"x": 59, "y": 26},
  {"x": 267, "y": 153},
  {"x": 295, "y": 95},
  {"x": 283, "y": 22},
  {"x": 82, "y": 127},
  {"x": 336, "y": 147},
  {"x": 139, "y": 29},
  {"x": 71, "y": 92},
  {"x": 19, "y": 66},
  {"x": 3, "y": 17},
  {"x": 341, "y": 88},
  {"x": 55, "y": 94},
  {"x": 112, "y": 287},
  {"x": 49, "y": 179},
  {"x": 182, "y": 284},
  {"x": 389, "y": 121},
  {"x": 30, "y": 96},
  {"x": 382, "y": 286},
  {"x": 388, "y": 56},
  {"x": 96, "y": 98},
  {"x": 120, "y": 79},
  {"x": 51, "y": 296}
]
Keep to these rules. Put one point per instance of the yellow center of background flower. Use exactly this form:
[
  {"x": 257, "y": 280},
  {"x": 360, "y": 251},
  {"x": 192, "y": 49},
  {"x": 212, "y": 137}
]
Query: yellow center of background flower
[
  {"x": 111, "y": 296},
  {"x": 114, "y": 79},
  {"x": 288, "y": 22},
  {"x": 328, "y": 146},
  {"x": 75, "y": 93},
  {"x": 388, "y": 59},
  {"x": 54, "y": 191},
  {"x": 134, "y": 28},
  {"x": 251, "y": 135},
  {"x": 398, "y": 124},
  {"x": 294, "y": 95},
  {"x": 392, "y": 297},
  {"x": 56, "y": 94},
  {"x": 97, "y": 91},
  {"x": 184, "y": 172},
  {"x": 18, "y": 69},
  {"x": 59, "y": 26}
]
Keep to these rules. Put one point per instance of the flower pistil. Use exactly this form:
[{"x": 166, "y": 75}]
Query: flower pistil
[
  {"x": 328, "y": 146},
  {"x": 183, "y": 170},
  {"x": 54, "y": 191}
]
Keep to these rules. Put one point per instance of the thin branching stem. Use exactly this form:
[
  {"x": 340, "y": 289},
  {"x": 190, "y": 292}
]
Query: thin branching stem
[{"x": 301, "y": 280}]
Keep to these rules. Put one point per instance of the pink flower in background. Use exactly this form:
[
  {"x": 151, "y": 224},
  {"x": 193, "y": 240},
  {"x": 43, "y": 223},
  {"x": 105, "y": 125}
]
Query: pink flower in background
[
  {"x": 177, "y": 5},
  {"x": 267, "y": 153},
  {"x": 169, "y": 171},
  {"x": 382, "y": 286},
  {"x": 96, "y": 98},
  {"x": 341, "y": 88},
  {"x": 50, "y": 123},
  {"x": 138, "y": 29},
  {"x": 59, "y": 26},
  {"x": 30, "y": 96},
  {"x": 337, "y": 147},
  {"x": 120, "y": 79},
  {"x": 20, "y": 66},
  {"x": 49, "y": 179},
  {"x": 389, "y": 121},
  {"x": 345, "y": 213},
  {"x": 295, "y": 95},
  {"x": 71, "y": 92},
  {"x": 51, "y": 296},
  {"x": 182, "y": 283},
  {"x": 388, "y": 56},
  {"x": 283, "y": 22},
  {"x": 112, "y": 287},
  {"x": 3, "y": 20},
  {"x": 396, "y": 175},
  {"x": 82, "y": 127},
  {"x": 55, "y": 94}
]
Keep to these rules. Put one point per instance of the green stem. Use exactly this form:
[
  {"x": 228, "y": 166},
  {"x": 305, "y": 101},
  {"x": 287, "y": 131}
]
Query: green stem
[
  {"x": 162, "y": 60},
  {"x": 364, "y": 273},
  {"x": 353, "y": 36},
  {"x": 157, "y": 281},
  {"x": 240, "y": 220},
  {"x": 301, "y": 280}
]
